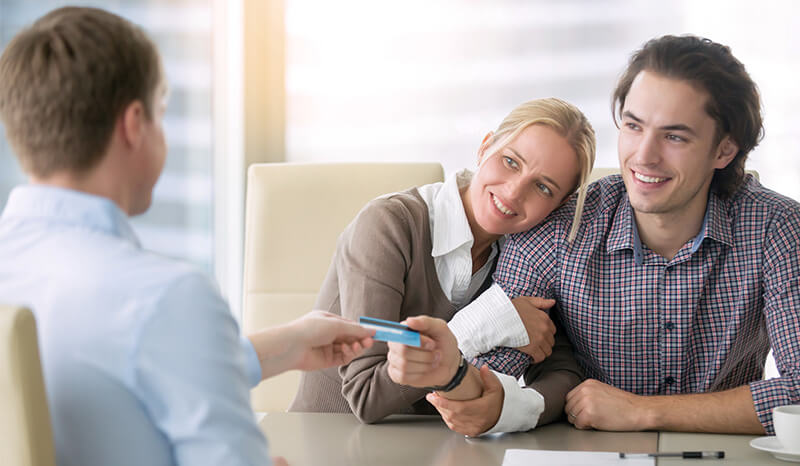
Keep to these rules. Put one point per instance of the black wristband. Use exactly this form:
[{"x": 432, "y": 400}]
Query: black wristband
[{"x": 463, "y": 366}]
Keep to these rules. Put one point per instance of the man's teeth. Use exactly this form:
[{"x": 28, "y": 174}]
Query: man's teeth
[
  {"x": 648, "y": 179},
  {"x": 501, "y": 207}
]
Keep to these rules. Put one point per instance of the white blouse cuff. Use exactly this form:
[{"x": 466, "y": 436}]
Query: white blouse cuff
[{"x": 490, "y": 321}]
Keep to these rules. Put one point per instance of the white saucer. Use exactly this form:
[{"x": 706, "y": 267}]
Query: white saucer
[{"x": 772, "y": 445}]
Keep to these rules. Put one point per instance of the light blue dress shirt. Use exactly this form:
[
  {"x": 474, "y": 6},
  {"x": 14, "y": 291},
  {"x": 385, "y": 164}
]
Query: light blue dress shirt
[{"x": 142, "y": 359}]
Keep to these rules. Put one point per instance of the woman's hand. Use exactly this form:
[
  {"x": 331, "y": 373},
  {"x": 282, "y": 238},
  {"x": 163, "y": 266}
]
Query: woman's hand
[
  {"x": 476, "y": 416},
  {"x": 541, "y": 330},
  {"x": 434, "y": 363}
]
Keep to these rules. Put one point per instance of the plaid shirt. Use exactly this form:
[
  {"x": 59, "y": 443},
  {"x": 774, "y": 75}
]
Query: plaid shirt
[{"x": 700, "y": 322}]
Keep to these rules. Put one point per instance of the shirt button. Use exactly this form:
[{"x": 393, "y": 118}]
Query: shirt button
[
  {"x": 669, "y": 380},
  {"x": 669, "y": 326}
]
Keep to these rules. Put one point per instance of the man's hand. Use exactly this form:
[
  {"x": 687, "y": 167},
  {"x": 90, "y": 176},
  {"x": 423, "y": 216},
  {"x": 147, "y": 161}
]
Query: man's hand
[
  {"x": 595, "y": 405},
  {"x": 435, "y": 362},
  {"x": 322, "y": 339},
  {"x": 476, "y": 416},
  {"x": 315, "y": 341},
  {"x": 541, "y": 330}
]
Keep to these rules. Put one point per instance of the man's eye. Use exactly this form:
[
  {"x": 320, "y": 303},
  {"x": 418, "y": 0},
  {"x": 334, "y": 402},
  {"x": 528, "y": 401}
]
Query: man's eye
[{"x": 676, "y": 138}]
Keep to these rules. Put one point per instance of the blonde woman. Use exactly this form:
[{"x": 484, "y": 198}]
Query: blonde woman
[{"x": 431, "y": 250}]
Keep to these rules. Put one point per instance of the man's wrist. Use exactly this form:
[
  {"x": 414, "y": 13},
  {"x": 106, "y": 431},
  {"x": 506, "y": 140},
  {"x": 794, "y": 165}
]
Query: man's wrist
[{"x": 649, "y": 413}]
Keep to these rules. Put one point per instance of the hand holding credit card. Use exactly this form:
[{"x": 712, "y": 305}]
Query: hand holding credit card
[{"x": 386, "y": 330}]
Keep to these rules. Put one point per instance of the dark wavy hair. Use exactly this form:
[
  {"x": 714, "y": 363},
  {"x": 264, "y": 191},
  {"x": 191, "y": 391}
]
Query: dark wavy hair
[{"x": 734, "y": 102}]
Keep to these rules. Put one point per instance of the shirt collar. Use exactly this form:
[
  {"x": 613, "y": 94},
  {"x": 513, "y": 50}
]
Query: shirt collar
[
  {"x": 624, "y": 233},
  {"x": 69, "y": 207},
  {"x": 449, "y": 224},
  {"x": 717, "y": 224}
]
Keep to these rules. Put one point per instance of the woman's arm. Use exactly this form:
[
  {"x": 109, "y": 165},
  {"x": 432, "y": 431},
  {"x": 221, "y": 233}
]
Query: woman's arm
[{"x": 372, "y": 260}]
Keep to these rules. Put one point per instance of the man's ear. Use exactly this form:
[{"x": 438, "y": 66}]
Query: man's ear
[
  {"x": 726, "y": 152},
  {"x": 131, "y": 124},
  {"x": 484, "y": 146}
]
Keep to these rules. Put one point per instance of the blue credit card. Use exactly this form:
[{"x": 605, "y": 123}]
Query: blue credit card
[{"x": 387, "y": 330}]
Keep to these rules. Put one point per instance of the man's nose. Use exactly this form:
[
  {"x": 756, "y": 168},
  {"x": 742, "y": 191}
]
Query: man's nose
[{"x": 647, "y": 150}]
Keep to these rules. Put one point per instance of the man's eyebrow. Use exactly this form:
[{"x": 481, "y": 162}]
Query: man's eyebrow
[
  {"x": 673, "y": 127},
  {"x": 629, "y": 114},
  {"x": 544, "y": 177},
  {"x": 679, "y": 127}
]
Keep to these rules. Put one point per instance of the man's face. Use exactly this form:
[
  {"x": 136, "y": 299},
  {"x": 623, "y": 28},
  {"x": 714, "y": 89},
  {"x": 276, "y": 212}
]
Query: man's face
[
  {"x": 667, "y": 150},
  {"x": 154, "y": 148}
]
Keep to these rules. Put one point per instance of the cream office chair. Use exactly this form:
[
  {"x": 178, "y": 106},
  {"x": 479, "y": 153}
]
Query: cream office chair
[
  {"x": 598, "y": 173},
  {"x": 294, "y": 214},
  {"x": 26, "y": 438}
]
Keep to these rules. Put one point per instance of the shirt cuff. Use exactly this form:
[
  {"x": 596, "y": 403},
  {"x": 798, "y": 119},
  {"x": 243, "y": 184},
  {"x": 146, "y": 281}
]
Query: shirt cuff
[
  {"x": 252, "y": 366},
  {"x": 490, "y": 321},
  {"x": 522, "y": 407},
  {"x": 768, "y": 394}
]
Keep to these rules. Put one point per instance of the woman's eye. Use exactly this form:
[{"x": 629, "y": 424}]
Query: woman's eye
[
  {"x": 544, "y": 189},
  {"x": 510, "y": 163}
]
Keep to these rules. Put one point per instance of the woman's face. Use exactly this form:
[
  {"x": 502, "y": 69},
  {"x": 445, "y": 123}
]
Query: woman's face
[{"x": 517, "y": 186}]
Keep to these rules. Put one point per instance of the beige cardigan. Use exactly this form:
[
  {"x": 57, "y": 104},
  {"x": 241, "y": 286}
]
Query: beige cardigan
[{"x": 383, "y": 268}]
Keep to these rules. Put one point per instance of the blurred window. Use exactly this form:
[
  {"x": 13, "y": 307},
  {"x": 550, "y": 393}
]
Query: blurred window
[{"x": 180, "y": 220}]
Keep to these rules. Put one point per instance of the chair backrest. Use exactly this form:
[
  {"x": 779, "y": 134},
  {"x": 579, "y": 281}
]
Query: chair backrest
[
  {"x": 26, "y": 438},
  {"x": 294, "y": 214},
  {"x": 598, "y": 173}
]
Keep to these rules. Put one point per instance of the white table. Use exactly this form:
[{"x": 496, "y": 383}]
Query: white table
[{"x": 340, "y": 439}]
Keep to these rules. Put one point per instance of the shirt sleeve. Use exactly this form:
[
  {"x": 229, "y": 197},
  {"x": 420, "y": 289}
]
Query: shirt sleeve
[
  {"x": 491, "y": 320},
  {"x": 782, "y": 315},
  {"x": 526, "y": 268},
  {"x": 542, "y": 400},
  {"x": 372, "y": 259},
  {"x": 189, "y": 372},
  {"x": 252, "y": 364},
  {"x": 521, "y": 407},
  {"x": 488, "y": 322},
  {"x": 527, "y": 264}
]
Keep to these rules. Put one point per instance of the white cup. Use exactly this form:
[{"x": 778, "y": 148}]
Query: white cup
[{"x": 786, "y": 420}]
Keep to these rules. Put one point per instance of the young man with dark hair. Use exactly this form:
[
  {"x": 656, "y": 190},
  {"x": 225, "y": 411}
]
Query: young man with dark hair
[
  {"x": 142, "y": 359},
  {"x": 683, "y": 274}
]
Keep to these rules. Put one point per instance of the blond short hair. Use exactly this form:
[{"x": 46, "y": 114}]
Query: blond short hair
[{"x": 567, "y": 121}]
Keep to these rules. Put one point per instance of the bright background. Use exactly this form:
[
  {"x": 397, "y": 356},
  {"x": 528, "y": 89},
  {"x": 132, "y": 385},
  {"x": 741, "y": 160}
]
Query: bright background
[{"x": 363, "y": 80}]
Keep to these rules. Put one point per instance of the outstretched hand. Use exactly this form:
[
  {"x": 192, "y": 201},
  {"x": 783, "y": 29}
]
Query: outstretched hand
[
  {"x": 324, "y": 340},
  {"x": 314, "y": 341}
]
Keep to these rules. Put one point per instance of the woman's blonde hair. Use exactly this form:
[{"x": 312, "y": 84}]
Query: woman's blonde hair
[{"x": 567, "y": 121}]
